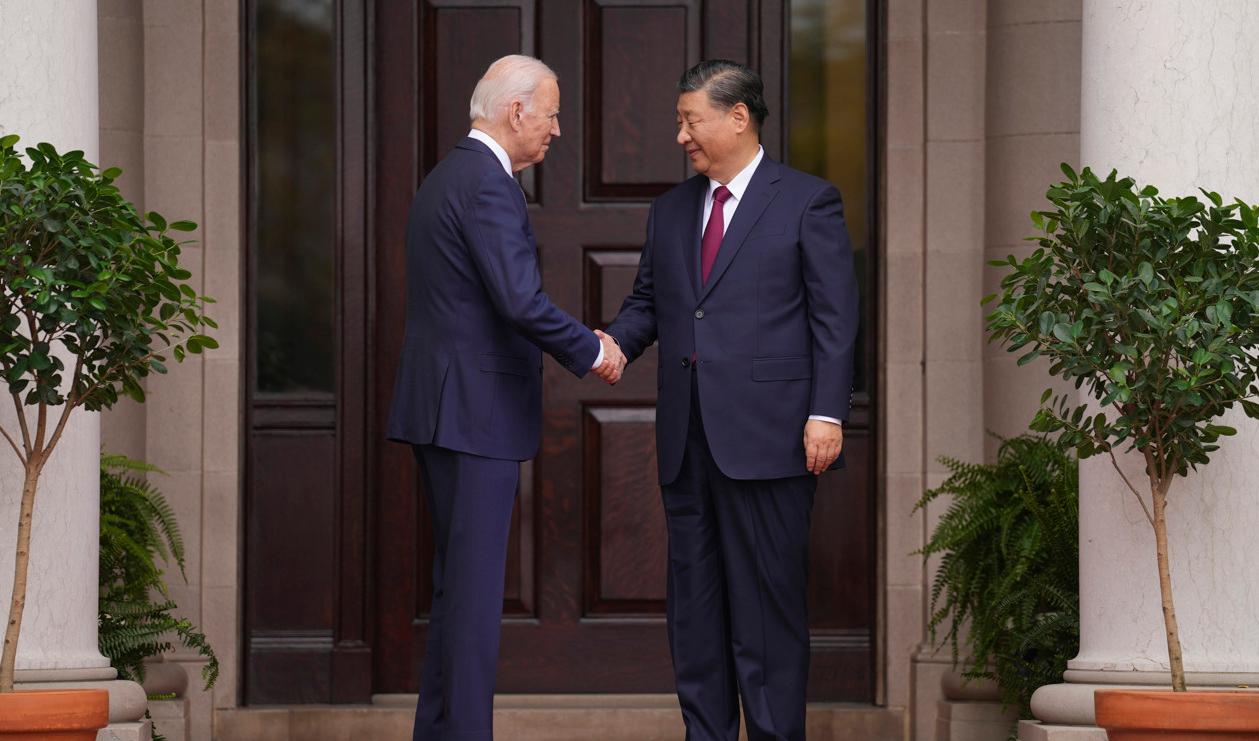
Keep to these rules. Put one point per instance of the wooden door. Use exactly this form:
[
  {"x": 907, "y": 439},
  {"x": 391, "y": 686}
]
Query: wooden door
[{"x": 584, "y": 609}]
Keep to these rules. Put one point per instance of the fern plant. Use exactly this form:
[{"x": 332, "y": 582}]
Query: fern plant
[
  {"x": 1007, "y": 588},
  {"x": 138, "y": 527}
]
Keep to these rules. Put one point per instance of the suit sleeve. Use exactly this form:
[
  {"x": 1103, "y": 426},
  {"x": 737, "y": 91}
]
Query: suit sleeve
[
  {"x": 507, "y": 261},
  {"x": 830, "y": 285},
  {"x": 635, "y": 325}
]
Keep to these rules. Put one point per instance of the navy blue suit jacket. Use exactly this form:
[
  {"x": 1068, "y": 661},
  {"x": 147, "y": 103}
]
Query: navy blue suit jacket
[
  {"x": 773, "y": 328},
  {"x": 470, "y": 375}
]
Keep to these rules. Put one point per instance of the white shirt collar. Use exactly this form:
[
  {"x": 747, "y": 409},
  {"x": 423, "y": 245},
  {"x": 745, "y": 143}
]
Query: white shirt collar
[
  {"x": 739, "y": 183},
  {"x": 494, "y": 146}
]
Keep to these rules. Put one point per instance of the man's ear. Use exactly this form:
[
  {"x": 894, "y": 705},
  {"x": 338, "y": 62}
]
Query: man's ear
[
  {"x": 741, "y": 117},
  {"x": 516, "y": 115}
]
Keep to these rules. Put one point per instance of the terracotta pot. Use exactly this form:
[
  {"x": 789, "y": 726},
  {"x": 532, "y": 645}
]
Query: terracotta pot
[
  {"x": 1163, "y": 715},
  {"x": 53, "y": 715}
]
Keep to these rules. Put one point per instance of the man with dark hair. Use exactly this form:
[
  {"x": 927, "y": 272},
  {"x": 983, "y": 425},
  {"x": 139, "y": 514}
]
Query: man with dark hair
[{"x": 746, "y": 280}]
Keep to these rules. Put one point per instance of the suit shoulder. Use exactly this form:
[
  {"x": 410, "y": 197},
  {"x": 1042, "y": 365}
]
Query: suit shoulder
[
  {"x": 681, "y": 192},
  {"x": 804, "y": 183}
]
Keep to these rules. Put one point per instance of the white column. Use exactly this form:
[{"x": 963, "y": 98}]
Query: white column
[
  {"x": 1170, "y": 96},
  {"x": 49, "y": 93}
]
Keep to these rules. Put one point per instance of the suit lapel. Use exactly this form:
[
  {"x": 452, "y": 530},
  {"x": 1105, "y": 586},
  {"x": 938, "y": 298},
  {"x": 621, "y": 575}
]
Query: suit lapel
[
  {"x": 761, "y": 190},
  {"x": 694, "y": 205}
]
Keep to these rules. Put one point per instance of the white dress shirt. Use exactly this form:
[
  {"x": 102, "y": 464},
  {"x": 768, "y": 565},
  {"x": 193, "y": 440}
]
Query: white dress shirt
[
  {"x": 737, "y": 186},
  {"x": 505, "y": 161}
]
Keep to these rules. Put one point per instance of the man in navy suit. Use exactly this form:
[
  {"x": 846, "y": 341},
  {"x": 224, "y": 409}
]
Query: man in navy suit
[
  {"x": 469, "y": 386},
  {"x": 746, "y": 280}
]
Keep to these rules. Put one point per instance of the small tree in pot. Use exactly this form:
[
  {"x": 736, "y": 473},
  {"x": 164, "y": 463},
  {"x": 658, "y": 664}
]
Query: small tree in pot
[
  {"x": 1152, "y": 305},
  {"x": 83, "y": 276}
]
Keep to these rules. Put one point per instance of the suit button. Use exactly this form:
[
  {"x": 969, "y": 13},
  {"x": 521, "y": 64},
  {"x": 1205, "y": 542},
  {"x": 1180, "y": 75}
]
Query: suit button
[
  {"x": 699, "y": 313},
  {"x": 686, "y": 362}
]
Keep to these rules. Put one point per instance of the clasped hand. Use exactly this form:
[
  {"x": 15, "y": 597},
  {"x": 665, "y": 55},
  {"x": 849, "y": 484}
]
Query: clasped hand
[{"x": 614, "y": 361}]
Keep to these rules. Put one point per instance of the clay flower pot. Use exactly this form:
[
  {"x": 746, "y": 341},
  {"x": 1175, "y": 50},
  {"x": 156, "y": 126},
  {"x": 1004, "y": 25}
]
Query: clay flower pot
[
  {"x": 53, "y": 715},
  {"x": 1138, "y": 715}
]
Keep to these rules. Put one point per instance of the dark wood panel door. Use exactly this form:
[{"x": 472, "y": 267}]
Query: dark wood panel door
[{"x": 584, "y": 609}]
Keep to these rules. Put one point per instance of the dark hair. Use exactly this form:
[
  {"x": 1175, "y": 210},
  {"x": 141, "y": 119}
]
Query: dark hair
[{"x": 728, "y": 83}]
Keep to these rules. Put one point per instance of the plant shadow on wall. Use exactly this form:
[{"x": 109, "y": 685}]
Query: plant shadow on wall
[
  {"x": 1151, "y": 306},
  {"x": 137, "y": 620},
  {"x": 1006, "y": 593},
  {"x": 92, "y": 300}
]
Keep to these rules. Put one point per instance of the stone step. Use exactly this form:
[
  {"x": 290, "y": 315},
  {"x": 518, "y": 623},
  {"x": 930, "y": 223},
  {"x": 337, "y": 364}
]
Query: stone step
[{"x": 534, "y": 718}]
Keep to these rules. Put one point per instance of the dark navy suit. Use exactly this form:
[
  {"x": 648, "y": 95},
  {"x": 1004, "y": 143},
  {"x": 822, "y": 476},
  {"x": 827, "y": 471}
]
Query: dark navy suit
[
  {"x": 745, "y": 358},
  {"x": 467, "y": 397}
]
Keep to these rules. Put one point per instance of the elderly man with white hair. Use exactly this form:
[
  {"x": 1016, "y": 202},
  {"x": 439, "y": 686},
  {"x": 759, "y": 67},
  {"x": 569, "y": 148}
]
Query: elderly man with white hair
[{"x": 468, "y": 391}]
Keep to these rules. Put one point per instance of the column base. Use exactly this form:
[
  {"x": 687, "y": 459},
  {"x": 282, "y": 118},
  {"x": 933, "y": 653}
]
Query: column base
[
  {"x": 170, "y": 718},
  {"x": 1071, "y": 703},
  {"x": 138, "y": 731},
  {"x": 127, "y": 702},
  {"x": 1032, "y": 730},
  {"x": 973, "y": 721}
]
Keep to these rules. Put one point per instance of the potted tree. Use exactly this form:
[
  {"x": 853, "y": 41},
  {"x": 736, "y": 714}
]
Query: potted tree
[
  {"x": 92, "y": 299},
  {"x": 1151, "y": 304}
]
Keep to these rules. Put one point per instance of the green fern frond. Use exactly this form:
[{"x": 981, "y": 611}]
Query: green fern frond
[
  {"x": 139, "y": 527},
  {"x": 1006, "y": 592}
]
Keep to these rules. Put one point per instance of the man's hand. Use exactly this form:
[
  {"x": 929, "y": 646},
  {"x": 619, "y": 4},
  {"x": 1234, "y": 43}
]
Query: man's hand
[
  {"x": 613, "y": 359},
  {"x": 822, "y": 442}
]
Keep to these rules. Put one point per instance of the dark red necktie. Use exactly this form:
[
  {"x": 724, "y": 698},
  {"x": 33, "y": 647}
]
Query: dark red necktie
[{"x": 713, "y": 231}]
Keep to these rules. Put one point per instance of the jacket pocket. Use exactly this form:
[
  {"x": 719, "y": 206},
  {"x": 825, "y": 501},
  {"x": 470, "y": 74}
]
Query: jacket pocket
[
  {"x": 782, "y": 369},
  {"x": 505, "y": 364}
]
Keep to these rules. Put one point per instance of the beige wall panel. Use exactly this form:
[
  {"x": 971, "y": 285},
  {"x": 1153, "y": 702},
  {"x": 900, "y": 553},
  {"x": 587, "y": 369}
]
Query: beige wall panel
[
  {"x": 1019, "y": 170},
  {"x": 1034, "y": 79},
  {"x": 955, "y": 197},
  {"x": 955, "y": 86},
  {"x": 1008, "y": 12}
]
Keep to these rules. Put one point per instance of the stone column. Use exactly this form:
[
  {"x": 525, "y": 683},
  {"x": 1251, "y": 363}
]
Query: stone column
[
  {"x": 1170, "y": 97},
  {"x": 48, "y": 61}
]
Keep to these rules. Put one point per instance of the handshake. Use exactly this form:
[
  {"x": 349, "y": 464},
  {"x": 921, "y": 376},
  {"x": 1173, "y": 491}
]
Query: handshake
[{"x": 614, "y": 361}]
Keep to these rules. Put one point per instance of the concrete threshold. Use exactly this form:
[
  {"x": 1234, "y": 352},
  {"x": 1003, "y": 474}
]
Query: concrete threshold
[{"x": 534, "y": 718}]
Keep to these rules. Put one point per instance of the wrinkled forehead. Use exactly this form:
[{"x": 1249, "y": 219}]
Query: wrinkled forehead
[
  {"x": 547, "y": 94},
  {"x": 694, "y": 103}
]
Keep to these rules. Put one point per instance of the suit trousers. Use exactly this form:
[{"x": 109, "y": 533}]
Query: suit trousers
[
  {"x": 737, "y": 603},
  {"x": 470, "y": 500}
]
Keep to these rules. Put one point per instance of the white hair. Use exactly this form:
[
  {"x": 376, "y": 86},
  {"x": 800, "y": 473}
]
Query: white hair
[{"x": 507, "y": 79}]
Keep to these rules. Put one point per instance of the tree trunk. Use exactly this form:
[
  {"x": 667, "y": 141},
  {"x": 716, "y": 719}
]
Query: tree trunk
[
  {"x": 1165, "y": 588},
  {"x": 20, "y": 563}
]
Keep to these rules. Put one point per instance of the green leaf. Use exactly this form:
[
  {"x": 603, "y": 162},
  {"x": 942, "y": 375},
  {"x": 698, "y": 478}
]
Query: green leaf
[
  {"x": 1223, "y": 312},
  {"x": 1047, "y": 320},
  {"x": 183, "y": 226},
  {"x": 9, "y": 140},
  {"x": 157, "y": 220},
  {"x": 1145, "y": 271}
]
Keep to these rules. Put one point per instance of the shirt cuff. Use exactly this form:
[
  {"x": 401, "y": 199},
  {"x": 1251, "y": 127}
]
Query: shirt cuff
[
  {"x": 599, "y": 358},
  {"x": 832, "y": 420}
]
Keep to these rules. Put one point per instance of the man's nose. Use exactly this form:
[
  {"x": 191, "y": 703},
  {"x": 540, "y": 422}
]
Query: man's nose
[
  {"x": 683, "y": 137},
  {"x": 555, "y": 127}
]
